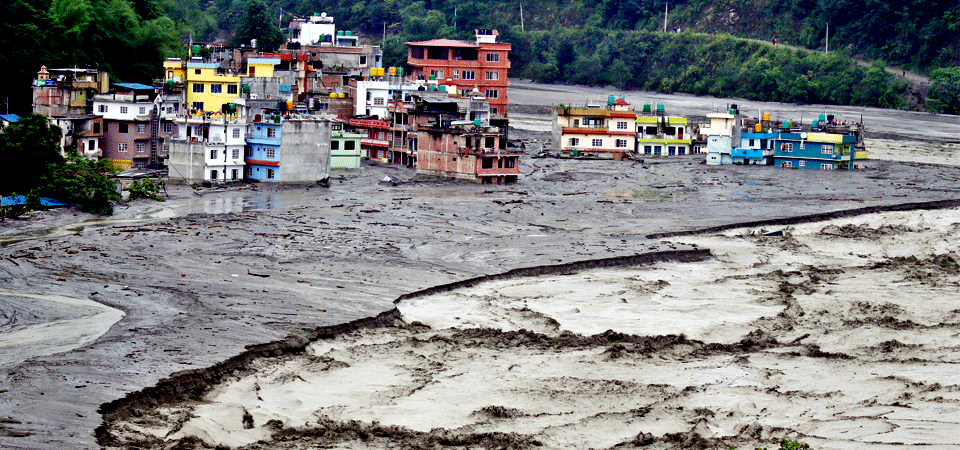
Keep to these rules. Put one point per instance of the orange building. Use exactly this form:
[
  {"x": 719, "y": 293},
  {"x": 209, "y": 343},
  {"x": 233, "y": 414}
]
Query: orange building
[{"x": 467, "y": 65}]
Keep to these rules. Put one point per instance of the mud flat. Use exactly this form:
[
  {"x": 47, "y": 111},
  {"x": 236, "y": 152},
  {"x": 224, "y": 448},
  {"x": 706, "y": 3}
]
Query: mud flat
[
  {"x": 843, "y": 334},
  {"x": 213, "y": 280}
]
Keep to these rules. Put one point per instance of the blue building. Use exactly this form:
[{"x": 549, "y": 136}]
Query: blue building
[
  {"x": 262, "y": 155},
  {"x": 816, "y": 150},
  {"x": 755, "y": 148}
]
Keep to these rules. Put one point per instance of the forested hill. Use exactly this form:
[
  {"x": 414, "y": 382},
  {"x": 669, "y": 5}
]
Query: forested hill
[
  {"x": 920, "y": 34},
  {"x": 615, "y": 42}
]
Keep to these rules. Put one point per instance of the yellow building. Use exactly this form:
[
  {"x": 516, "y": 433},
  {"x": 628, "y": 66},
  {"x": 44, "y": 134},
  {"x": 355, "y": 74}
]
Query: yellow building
[
  {"x": 208, "y": 87},
  {"x": 663, "y": 136}
]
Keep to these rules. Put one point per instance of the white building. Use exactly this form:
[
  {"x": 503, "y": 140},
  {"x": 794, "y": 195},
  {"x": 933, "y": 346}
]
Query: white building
[
  {"x": 317, "y": 30},
  {"x": 208, "y": 149}
]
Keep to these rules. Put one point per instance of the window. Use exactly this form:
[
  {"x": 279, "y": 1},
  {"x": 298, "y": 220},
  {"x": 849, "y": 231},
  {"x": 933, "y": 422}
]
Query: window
[
  {"x": 671, "y": 151},
  {"x": 493, "y": 93},
  {"x": 231, "y": 89},
  {"x": 363, "y": 60},
  {"x": 271, "y": 153},
  {"x": 196, "y": 72},
  {"x": 247, "y": 152},
  {"x": 168, "y": 127},
  {"x": 493, "y": 57},
  {"x": 596, "y": 142},
  {"x": 143, "y": 110},
  {"x": 249, "y": 171},
  {"x": 437, "y": 74},
  {"x": 647, "y": 150},
  {"x": 124, "y": 110},
  {"x": 334, "y": 145},
  {"x": 510, "y": 163},
  {"x": 681, "y": 150},
  {"x": 141, "y": 128},
  {"x": 122, "y": 127},
  {"x": 102, "y": 108},
  {"x": 801, "y": 163},
  {"x": 486, "y": 163},
  {"x": 270, "y": 173},
  {"x": 197, "y": 106},
  {"x": 492, "y": 75},
  {"x": 621, "y": 125},
  {"x": 456, "y": 74},
  {"x": 271, "y": 132},
  {"x": 751, "y": 143},
  {"x": 236, "y": 132},
  {"x": 574, "y": 142},
  {"x": 198, "y": 88},
  {"x": 786, "y": 147},
  {"x": 826, "y": 150},
  {"x": 213, "y": 154},
  {"x": 786, "y": 164},
  {"x": 252, "y": 70},
  {"x": 621, "y": 143},
  {"x": 826, "y": 166},
  {"x": 494, "y": 110},
  {"x": 122, "y": 147},
  {"x": 96, "y": 127},
  {"x": 236, "y": 153},
  {"x": 216, "y": 88},
  {"x": 468, "y": 75},
  {"x": 214, "y": 175},
  {"x": 141, "y": 147},
  {"x": 349, "y": 145},
  {"x": 378, "y": 101},
  {"x": 657, "y": 150}
]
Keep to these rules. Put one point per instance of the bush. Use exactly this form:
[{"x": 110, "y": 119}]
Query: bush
[{"x": 145, "y": 188}]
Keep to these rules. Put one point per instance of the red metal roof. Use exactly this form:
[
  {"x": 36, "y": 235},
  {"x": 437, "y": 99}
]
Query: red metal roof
[
  {"x": 620, "y": 101},
  {"x": 443, "y": 43}
]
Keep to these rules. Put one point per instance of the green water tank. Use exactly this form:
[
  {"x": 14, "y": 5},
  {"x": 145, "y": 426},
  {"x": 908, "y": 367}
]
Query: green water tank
[
  {"x": 646, "y": 108},
  {"x": 786, "y": 124},
  {"x": 611, "y": 99},
  {"x": 349, "y": 33},
  {"x": 660, "y": 108},
  {"x": 823, "y": 117},
  {"x": 816, "y": 123},
  {"x": 340, "y": 33},
  {"x": 245, "y": 88},
  {"x": 196, "y": 49},
  {"x": 476, "y": 122}
]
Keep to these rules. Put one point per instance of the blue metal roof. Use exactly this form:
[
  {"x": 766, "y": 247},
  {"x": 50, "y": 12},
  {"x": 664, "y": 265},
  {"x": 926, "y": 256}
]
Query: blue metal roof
[
  {"x": 271, "y": 61},
  {"x": 12, "y": 118},
  {"x": 134, "y": 86},
  {"x": 200, "y": 65}
]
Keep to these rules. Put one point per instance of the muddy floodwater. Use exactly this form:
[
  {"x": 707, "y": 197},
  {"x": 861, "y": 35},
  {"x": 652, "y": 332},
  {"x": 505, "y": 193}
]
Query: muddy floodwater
[
  {"x": 844, "y": 333},
  {"x": 659, "y": 304}
]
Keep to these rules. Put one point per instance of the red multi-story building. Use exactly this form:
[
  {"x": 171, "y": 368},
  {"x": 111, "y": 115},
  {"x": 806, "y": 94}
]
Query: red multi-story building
[{"x": 467, "y": 65}]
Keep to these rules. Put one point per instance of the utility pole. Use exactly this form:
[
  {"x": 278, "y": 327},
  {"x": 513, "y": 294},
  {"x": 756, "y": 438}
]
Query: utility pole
[
  {"x": 666, "y": 11},
  {"x": 384, "y": 33},
  {"x": 828, "y": 39},
  {"x": 521, "y": 16}
]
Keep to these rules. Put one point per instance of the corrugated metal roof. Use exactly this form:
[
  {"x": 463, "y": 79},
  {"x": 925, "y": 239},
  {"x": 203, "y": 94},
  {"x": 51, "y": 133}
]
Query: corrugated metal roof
[
  {"x": 271, "y": 61},
  {"x": 200, "y": 65},
  {"x": 12, "y": 118},
  {"x": 134, "y": 86}
]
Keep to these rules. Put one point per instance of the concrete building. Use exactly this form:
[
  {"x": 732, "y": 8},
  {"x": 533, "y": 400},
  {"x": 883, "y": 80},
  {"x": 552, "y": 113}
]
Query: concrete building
[
  {"x": 661, "y": 135},
  {"x": 602, "y": 130},
  {"x": 481, "y": 65},
  {"x": 816, "y": 150},
  {"x": 136, "y": 123},
  {"x": 83, "y": 130},
  {"x": 293, "y": 149},
  {"x": 207, "y": 147},
  {"x": 206, "y": 86},
  {"x": 345, "y": 147},
  {"x": 67, "y": 91}
]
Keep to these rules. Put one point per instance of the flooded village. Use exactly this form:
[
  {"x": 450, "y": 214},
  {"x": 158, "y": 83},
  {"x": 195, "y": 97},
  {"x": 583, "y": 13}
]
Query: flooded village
[{"x": 454, "y": 258}]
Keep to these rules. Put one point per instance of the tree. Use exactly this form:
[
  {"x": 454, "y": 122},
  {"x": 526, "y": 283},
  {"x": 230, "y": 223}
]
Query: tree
[
  {"x": 256, "y": 24},
  {"x": 31, "y": 149},
  {"x": 28, "y": 148},
  {"x": 945, "y": 91}
]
